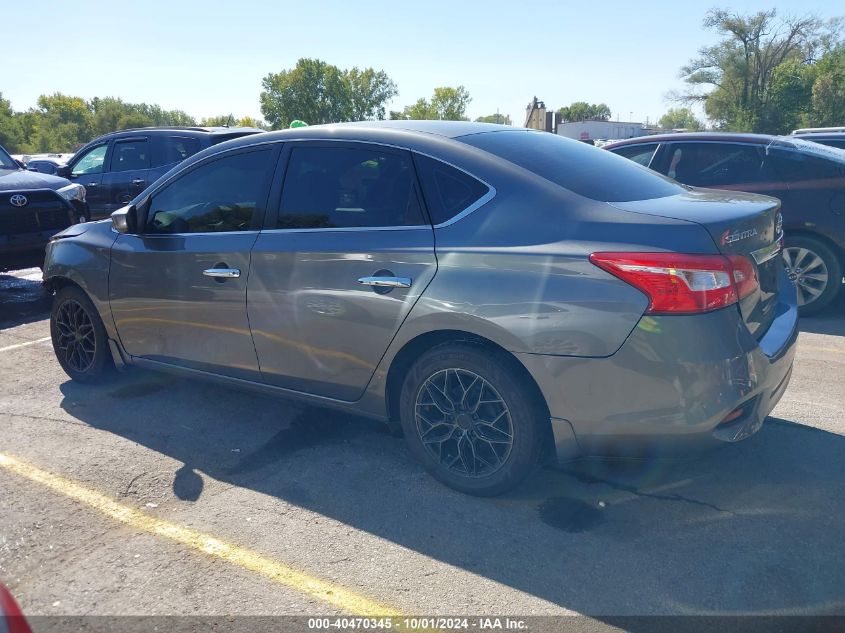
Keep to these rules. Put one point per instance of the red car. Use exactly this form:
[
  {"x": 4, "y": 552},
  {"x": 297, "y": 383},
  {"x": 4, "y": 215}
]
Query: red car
[
  {"x": 808, "y": 178},
  {"x": 11, "y": 616}
]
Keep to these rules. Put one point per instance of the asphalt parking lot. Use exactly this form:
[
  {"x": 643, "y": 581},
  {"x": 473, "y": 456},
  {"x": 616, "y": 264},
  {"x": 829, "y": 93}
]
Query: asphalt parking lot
[{"x": 109, "y": 496}]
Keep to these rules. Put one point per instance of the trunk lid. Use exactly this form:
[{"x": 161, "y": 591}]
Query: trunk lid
[{"x": 740, "y": 224}]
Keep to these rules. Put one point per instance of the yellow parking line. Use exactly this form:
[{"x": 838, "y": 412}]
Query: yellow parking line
[
  {"x": 275, "y": 571},
  {"x": 9, "y": 348}
]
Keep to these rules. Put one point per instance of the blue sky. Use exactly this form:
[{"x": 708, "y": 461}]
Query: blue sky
[{"x": 208, "y": 58}]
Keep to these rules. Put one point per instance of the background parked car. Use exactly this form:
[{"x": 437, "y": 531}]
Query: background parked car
[
  {"x": 808, "y": 178},
  {"x": 45, "y": 165},
  {"x": 833, "y": 136},
  {"x": 116, "y": 167},
  {"x": 33, "y": 208}
]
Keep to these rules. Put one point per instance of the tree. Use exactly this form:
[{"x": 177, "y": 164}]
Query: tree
[
  {"x": 680, "y": 119},
  {"x": 65, "y": 123},
  {"x": 735, "y": 77},
  {"x": 583, "y": 111},
  {"x": 369, "y": 91},
  {"x": 447, "y": 104},
  {"x": 495, "y": 118},
  {"x": 11, "y": 134},
  {"x": 317, "y": 92},
  {"x": 828, "y": 93}
]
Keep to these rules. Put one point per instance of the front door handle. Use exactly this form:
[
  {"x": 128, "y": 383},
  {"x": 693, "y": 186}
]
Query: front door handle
[
  {"x": 138, "y": 181},
  {"x": 386, "y": 282},
  {"x": 222, "y": 273}
]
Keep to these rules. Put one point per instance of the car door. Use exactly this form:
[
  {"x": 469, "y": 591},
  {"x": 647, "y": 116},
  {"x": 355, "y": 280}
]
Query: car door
[
  {"x": 345, "y": 254},
  {"x": 87, "y": 170},
  {"x": 128, "y": 171},
  {"x": 178, "y": 287}
]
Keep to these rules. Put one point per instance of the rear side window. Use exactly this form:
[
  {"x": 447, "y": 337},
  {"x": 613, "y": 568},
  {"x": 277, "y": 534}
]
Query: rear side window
[
  {"x": 130, "y": 155},
  {"x": 221, "y": 195},
  {"x": 447, "y": 190},
  {"x": 585, "y": 170},
  {"x": 640, "y": 154},
  {"x": 715, "y": 164},
  {"x": 342, "y": 187},
  {"x": 802, "y": 169},
  {"x": 178, "y": 148}
]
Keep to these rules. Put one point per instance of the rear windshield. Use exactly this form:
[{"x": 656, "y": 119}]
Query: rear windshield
[{"x": 588, "y": 171}]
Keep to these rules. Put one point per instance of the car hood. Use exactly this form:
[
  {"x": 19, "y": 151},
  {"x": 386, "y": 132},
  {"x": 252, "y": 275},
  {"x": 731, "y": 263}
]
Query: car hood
[{"x": 17, "y": 179}]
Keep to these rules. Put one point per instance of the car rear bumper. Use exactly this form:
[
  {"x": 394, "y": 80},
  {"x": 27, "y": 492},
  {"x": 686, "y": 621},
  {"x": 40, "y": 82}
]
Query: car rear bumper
[{"x": 671, "y": 386}]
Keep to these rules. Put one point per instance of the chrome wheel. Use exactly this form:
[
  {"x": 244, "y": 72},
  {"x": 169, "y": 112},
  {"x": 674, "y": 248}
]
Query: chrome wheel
[
  {"x": 464, "y": 423},
  {"x": 76, "y": 340},
  {"x": 807, "y": 271}
]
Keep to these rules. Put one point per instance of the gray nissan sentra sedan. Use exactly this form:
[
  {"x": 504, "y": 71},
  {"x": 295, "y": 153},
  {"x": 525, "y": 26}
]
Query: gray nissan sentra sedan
[{"x": 501, "y": 295}]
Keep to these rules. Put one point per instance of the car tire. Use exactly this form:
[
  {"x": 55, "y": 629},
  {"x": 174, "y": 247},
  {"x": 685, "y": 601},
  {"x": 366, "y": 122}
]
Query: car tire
[
  {"x": 79, "y": 337},
  {"x": 480, "y": 431},
  {"x": 800, "y": 250}
]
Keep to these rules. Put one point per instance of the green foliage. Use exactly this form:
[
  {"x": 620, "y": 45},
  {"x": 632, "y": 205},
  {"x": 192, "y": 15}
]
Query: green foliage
[
  {"x": 446, "y": 104},
  {"x": 828, "y": 91},
  {"x": 63, "y": 123},
  {"x": 583, "y": 111},
  {"x": 495, "y": 118},
  {"x": 761, "y": 75},
  {"x": 317, "y": 92},
  {"x": 680, "y": 119}
]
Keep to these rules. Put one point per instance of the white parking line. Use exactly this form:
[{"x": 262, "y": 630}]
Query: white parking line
[{"x": 9, "y": 348}]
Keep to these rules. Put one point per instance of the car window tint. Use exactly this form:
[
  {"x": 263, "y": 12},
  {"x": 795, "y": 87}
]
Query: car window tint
[
  {"x": 641, "y": 154},
  {"x": 131, "y": 155},
  {"x": 339, "y": 187},
  {"x": 178, "y": 148},
  {"x": 447, "y": 190},
  {"x": 801, "y": 169},
  {"x": 583, "y": 169},
  {"x": 91, "y": 162},
  {"x": 218, "y": 196},
  {"x": 715, "y": 164}
]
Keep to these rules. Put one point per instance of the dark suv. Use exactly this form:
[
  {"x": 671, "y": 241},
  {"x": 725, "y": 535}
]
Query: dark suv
[
  {"x": 117, "y": 167},
  {"x": 808, "y": 178},
  {"x": 33, "y": 207}
]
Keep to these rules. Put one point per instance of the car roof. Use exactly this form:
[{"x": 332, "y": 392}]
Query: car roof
[
  {"x": 198, "y": 130},
  {"x": 809, "y": 136},
  {"x": 762, "y": 139}
]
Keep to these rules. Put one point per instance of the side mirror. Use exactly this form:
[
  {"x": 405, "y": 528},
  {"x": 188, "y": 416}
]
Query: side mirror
[
  {"x": 125, "y": 219},
  {"x": 63, "y": 171}
]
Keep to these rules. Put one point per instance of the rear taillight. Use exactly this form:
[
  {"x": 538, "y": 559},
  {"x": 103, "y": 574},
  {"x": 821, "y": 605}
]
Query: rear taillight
[{"x": 676, "y": 283}]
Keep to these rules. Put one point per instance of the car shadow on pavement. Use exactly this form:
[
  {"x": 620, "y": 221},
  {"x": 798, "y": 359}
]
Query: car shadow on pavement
[
  {"x": 22, "y": 299},
  {"x": 752, "y": 527},
  {"x": 830, "y": 321}
]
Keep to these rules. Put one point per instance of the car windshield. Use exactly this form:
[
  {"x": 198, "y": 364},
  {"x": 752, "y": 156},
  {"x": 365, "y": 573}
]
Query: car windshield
[{"x": 6, "y": 161}]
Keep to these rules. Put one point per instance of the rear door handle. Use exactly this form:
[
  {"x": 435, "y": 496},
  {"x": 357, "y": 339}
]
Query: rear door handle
[
  {"x": 222, "y": 273},
  {"x": 386, "y": 282},
  {"x": 138, "y": 181}
]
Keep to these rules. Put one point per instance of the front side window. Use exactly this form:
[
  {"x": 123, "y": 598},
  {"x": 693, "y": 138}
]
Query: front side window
[
  {"x": 714, "y": 164},
  {"x": 131, "y": 155},
  {"x": 91, "y": 162},
  {"x": 342, "y": 187},
  {"x": 447, "y": 190},
  {"x": 222, "y": 195},
  {"x": 641, "y": 154}
]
